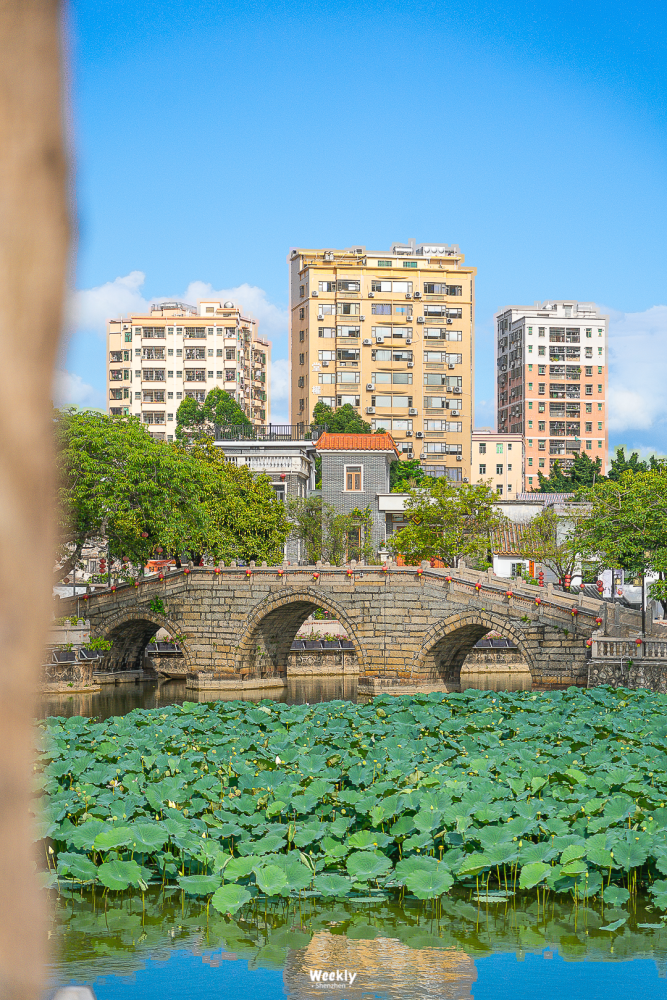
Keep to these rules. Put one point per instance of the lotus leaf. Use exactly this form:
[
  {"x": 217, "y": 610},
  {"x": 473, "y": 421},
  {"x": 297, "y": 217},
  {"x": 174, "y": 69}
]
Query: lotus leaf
[
  {"x": 615, "y": 895},
  {"x": 118, "y": 874},
  {"x": 199, "y": 885},
  {"x": 429, "y": 884},
  {"x": 365, "y": 865},
  {"x": 271, "y": 879},
  {"x": 230, "y": 898},
  {"x": 534, "y": 873},
  {"x": 332, "y": 885}
]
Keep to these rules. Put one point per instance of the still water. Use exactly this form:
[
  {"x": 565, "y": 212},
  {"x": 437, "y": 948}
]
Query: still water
[
  {"x": 169, "y": 946},
  {"x": 123, "y": 698}
]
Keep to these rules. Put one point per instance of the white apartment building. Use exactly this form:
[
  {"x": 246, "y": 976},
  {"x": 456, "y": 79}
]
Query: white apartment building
[
  {"x": 498, "y": 458},
  {"x": 552, "y": 382},
  {"x": 179, "y": 351}
]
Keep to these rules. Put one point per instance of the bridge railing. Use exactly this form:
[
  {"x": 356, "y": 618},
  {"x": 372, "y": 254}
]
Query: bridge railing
[
  {"x": 485, "y": 584},
  {"x": 613, "y": 648}
]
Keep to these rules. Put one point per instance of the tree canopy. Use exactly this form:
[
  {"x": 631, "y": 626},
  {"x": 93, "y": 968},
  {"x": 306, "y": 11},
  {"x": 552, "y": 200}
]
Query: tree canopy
[
  {"x": 195, "y": 419},
  {"x": 553, "y": 541},
  {"x": 627, "y": 525},
  {"x": 583, "y": 472},
  {"x": 344, "y": 420},
  {"x": 447, "y": 522},
  {"x": 621, "y": 464},
  {"x": 143, "y": 495},
  {"x": 405, "y": 475}
]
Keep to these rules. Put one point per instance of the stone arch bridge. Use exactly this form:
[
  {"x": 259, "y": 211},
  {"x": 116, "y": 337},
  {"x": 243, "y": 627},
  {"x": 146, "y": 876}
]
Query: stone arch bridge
[{"x": 408, "y": 625}]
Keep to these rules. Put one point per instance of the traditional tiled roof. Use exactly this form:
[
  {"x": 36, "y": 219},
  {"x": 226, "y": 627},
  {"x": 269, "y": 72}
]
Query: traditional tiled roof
[
  {"x": 356, "y": 442},
  {"x": 545, "y": 498},
  {"x": 506, "y": 541}
]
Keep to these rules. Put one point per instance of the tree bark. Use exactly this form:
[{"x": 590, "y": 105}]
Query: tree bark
[{"x": 34, "y": 234}]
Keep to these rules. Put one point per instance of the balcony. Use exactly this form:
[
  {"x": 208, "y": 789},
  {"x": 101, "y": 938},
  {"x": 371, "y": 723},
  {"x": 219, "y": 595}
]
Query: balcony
[{"x": 271, "y": 432}]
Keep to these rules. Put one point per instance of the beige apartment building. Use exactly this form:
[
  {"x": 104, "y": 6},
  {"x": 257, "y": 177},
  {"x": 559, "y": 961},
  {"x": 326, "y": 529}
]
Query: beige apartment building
[
  {"x": 498, "y": 459},
  {"x": 552, "y": 382},
  {"x": 391, "y": 333},
  {"x": 179, "y": 351}
]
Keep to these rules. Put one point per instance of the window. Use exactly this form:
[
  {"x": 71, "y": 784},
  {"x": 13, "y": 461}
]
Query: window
[
  {"x": 179, "y": 352},
  {"x": 599, "y": 388},
  {"x": 499, "y": 448},
  {"x": 385, "y": 263},
  {"x": 541, "y": 445},
  {"x": 380, "y": 286},
  {"x": 349, "y": 308},
  {"x": 530, "y": 480},
  {"x": 381, "y": 355},
  {"x": 541, "y": 369},
  {"x": 195, "y": 375},
  {"x": 218, "y": 352},
  {"x": 530, "y": 386},
  {"x": 381, "y": 377},
  {"x": 589, "y": 332},
  {"x": 326, "y": 378},
  {"x": 346, "y": 400},
  {"x": 326, "y": 309},
  {"x": 482, "y": 470},
  {"x": 302, "y": 313},
  {"x": 302, "y": 291},
  {"x": 499, "y": 469},
  {"x": 409, "y": 263},
  {"x": 327, "y": 286},
  {"x": 348, "y": 331},
  {"x": 353, "y": 478},
  {"x": 541, "y": 350},
  {"x": 381, "y": 309},
  {"x": 599, "y": 425},
  {"x": 530, "y": 405},
  {"x": 530, "y": 348},
  {"x": 589, "y": 407},
  {"x": 128, "y": 336},
  {"x": 530, "y": 461},
  {"x": 402, "y": 378},
  {"x": 541, "y": 388},
  {"x": 599, "y": 352},
  {"x": 530, "y": 425},
  {"x": 325, "y": 331},
  {"x": 482, "y": 447},
  {"x": 589, "y": 426},
  {"x": 499, "y": 490},
  {"x": 599, "y": 444},
  {"x": 345, "y": 285},
  {"x": 403, "y": 311},
  {"x": 301, "y": 382},
  {"x": 509, "y": 467},
  {"x": 302, "y": 359},
  {"x": 402, "y": 287},
  {"x": 302, "y": 336},
  {"x": 589, "y": 370},
  {"x": 540, "y": 463},
  {"x": 589, "y": 445},
  {"x": 599, "y": 406},
  {"x": 348, "y": 377},
  {"x": 589, "y": 390},
  {"x": 326, "y": 355},
  {"x": 194, "y": 353},
  {"x": 588, "y": 352},
  {"x": 541, "y": 425}
]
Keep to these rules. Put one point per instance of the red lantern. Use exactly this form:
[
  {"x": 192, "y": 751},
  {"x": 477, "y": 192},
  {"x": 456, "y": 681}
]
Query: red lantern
[
  {"x": 103, "y": 565},
  {"x": 144, "y": 534},
  {"x": 568, "y": 581},
  {"x": 540, "y": 578},
  {"x": 600, "y": 587}
]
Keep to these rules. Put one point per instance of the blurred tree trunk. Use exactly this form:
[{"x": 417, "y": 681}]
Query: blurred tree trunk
[{"x": 33, "y": 263}]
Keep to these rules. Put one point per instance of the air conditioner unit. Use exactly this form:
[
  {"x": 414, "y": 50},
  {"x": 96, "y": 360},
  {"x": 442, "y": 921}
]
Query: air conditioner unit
[
  {"x": 325, "y": 364},
  {"x": 455, "y": 413},
  {"x": 419, "y": 434},
  {"x": 362, "y": 318},
  {"x": 451, "y": 366},
  {"x": 408, "y": 295},
  {"x": 459, "y": 458},
  {"x": 418, "y": 295},
  {"x": 320, "y": 316},
  {"x": 412, "y": 411},
  {"x": 371, "y": 295},
  {"x": 449, "y": 321},
  {"x": 408, "y": 434},
  {"x": 367, "y": 342},
  {"x": 379, "y": 339},
  {"x": 408, "y": 340},
  {"x": 465, "y": 479},
  {"x": 370, "y": 409},
  {"x": 420, "y": 319},
  {"x": 315, "y": 295},
  {"x": 369, "y": 387},
  {"x": 411, "y": 364}
]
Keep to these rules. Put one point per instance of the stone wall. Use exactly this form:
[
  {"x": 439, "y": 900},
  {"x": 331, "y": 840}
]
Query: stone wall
[{"x": 628, "y": 672}]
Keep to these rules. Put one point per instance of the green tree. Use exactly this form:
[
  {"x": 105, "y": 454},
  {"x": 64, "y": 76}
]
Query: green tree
[
  {"x": 554, "y": 541},
  {"x": 404, "y": 476},
  {"x": 621, "y": 464},
  {"x": 196, "y": 420},
  {"x": 447, "y": 522},
  {"x": 117, "y": 482},
  {"x": 344, "y": 420},
  {"x": 626, "y": 526},
  {"x": 582, "y": 473},
  {"x": 328, "y": 535}
]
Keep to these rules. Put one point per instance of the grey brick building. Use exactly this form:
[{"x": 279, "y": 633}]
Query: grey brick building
[{"x": 355, "y": 472}]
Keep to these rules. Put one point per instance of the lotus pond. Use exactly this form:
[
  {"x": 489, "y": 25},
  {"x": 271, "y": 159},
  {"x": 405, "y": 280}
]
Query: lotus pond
[{"x": 559, "y": 793}]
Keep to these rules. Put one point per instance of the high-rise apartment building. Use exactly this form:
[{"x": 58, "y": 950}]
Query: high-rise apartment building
[
  {"x": 552, "y": 382},
  {"x": 391, "y": 333},
  {"x": 176, "y": 351}
]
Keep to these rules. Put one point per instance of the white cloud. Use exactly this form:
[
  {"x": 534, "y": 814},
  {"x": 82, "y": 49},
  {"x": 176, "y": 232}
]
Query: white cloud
[
  {"x": 271, "y": 318},
  {"x": 279, "y": 391},
  {"x": 637, "y": 369},
  {"x": 90, "y": 308},
  {"x": 70, "y": 390}
]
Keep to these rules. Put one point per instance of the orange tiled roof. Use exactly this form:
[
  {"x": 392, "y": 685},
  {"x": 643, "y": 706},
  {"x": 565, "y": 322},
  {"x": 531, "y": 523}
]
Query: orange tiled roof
[
  {"x": 506, "y": 541},
  {"x": 356, "y": 442}
]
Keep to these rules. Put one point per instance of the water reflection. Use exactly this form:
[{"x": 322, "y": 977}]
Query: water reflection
[
  {"x": 123, "y": 698},
  {"x": 496, "y": 680},
  {"x": 416, "y": 950}
]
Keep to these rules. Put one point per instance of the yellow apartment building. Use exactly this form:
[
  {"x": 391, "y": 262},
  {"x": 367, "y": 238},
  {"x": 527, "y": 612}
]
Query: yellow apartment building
[
  {"x": 392, "y": 334},
  {"x": 498, "y": 459},
  {"x": 179, "y": 351},
  {"x": 552, "y": 383}
]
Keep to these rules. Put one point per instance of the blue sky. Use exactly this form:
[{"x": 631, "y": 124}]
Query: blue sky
[{"x": 209, "y": 138}]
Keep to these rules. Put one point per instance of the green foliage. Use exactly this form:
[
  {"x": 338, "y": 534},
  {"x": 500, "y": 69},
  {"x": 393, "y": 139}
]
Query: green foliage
[
  {"x": 157, "y": 605},
  {"x": 328, "y": 535},
  {"x": 117, "y": 481},
  {"x": 100, "y": 644},
  {"x": 582, "y": 473},
  {"x": 198, "y": 420},
  {"x": 404, "y": 476},
  {"x": 447, "y": 522},
  {"x": 344, "y": 420},
  {"x": 621, "y": 464},
  {"x": 554, "y": 541},
  {"x": 627, "y": 526},
  {"x": 551, "y": 789}
]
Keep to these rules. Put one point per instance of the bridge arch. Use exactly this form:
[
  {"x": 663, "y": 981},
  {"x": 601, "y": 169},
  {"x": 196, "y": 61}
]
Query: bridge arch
[
  {"x": 270, "y": 628},
  {"x": 448, "y": 642},
  {"x": 130, "y": 631}
]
